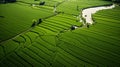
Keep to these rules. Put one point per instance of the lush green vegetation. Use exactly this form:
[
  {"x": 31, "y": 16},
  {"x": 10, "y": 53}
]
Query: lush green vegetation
[
  {"x": 52, "y": 43},
  {"x": 18, "y": 18},
  {"x": 101, "y": 41},
  {"x": 75, "y": 6}
]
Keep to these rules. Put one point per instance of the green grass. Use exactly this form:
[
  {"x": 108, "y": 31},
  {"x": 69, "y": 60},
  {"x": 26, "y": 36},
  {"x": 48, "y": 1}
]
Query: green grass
[
  {"x": 101, "y": 41},
  {"x": 70, "y": 6},
  {"x": 50, "y": 3},
  {"x": 51, "y": 43},
  {"x": 18, "y": 18}
]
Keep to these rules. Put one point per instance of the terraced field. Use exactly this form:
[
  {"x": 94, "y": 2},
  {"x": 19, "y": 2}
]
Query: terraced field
[
  {"x": 75, "y": 6},
  {"x": 52, "y": 43},
  {"x": 18, "y": 18}
]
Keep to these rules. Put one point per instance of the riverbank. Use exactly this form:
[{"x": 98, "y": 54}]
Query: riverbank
[{"x": 87, "y": 13}]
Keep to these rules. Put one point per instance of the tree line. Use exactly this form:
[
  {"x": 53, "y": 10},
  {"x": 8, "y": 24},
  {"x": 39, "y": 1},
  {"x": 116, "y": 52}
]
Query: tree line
[
  {"x": 6, "y": 1},
  {"x": 117, "y": 1}
]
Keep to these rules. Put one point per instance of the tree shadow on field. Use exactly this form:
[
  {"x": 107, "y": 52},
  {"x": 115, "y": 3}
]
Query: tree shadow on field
[{"x": 2, "y": 17}]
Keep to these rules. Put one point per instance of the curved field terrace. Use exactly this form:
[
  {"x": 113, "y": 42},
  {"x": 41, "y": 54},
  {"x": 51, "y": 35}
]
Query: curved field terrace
[{"x": 53, "y": 33}]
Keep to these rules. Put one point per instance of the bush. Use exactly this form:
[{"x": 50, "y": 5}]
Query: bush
[
  {"x": 42, "y": 3},
  {"x": 72, "y": 27},
  {"x": 40, "y": 20},
  {"x": 34, "y": 23}
]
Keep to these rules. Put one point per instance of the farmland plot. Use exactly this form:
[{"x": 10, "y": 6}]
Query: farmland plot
[
  {"x": 100, "y": 43},
  {"x": 75, "y": 6},
  {"x": 51, "y": 43},
  {"x": 18, "y": 18}
]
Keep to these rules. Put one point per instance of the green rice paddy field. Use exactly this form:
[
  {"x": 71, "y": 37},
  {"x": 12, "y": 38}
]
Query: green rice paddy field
[{"x": 52, "y": 43}]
